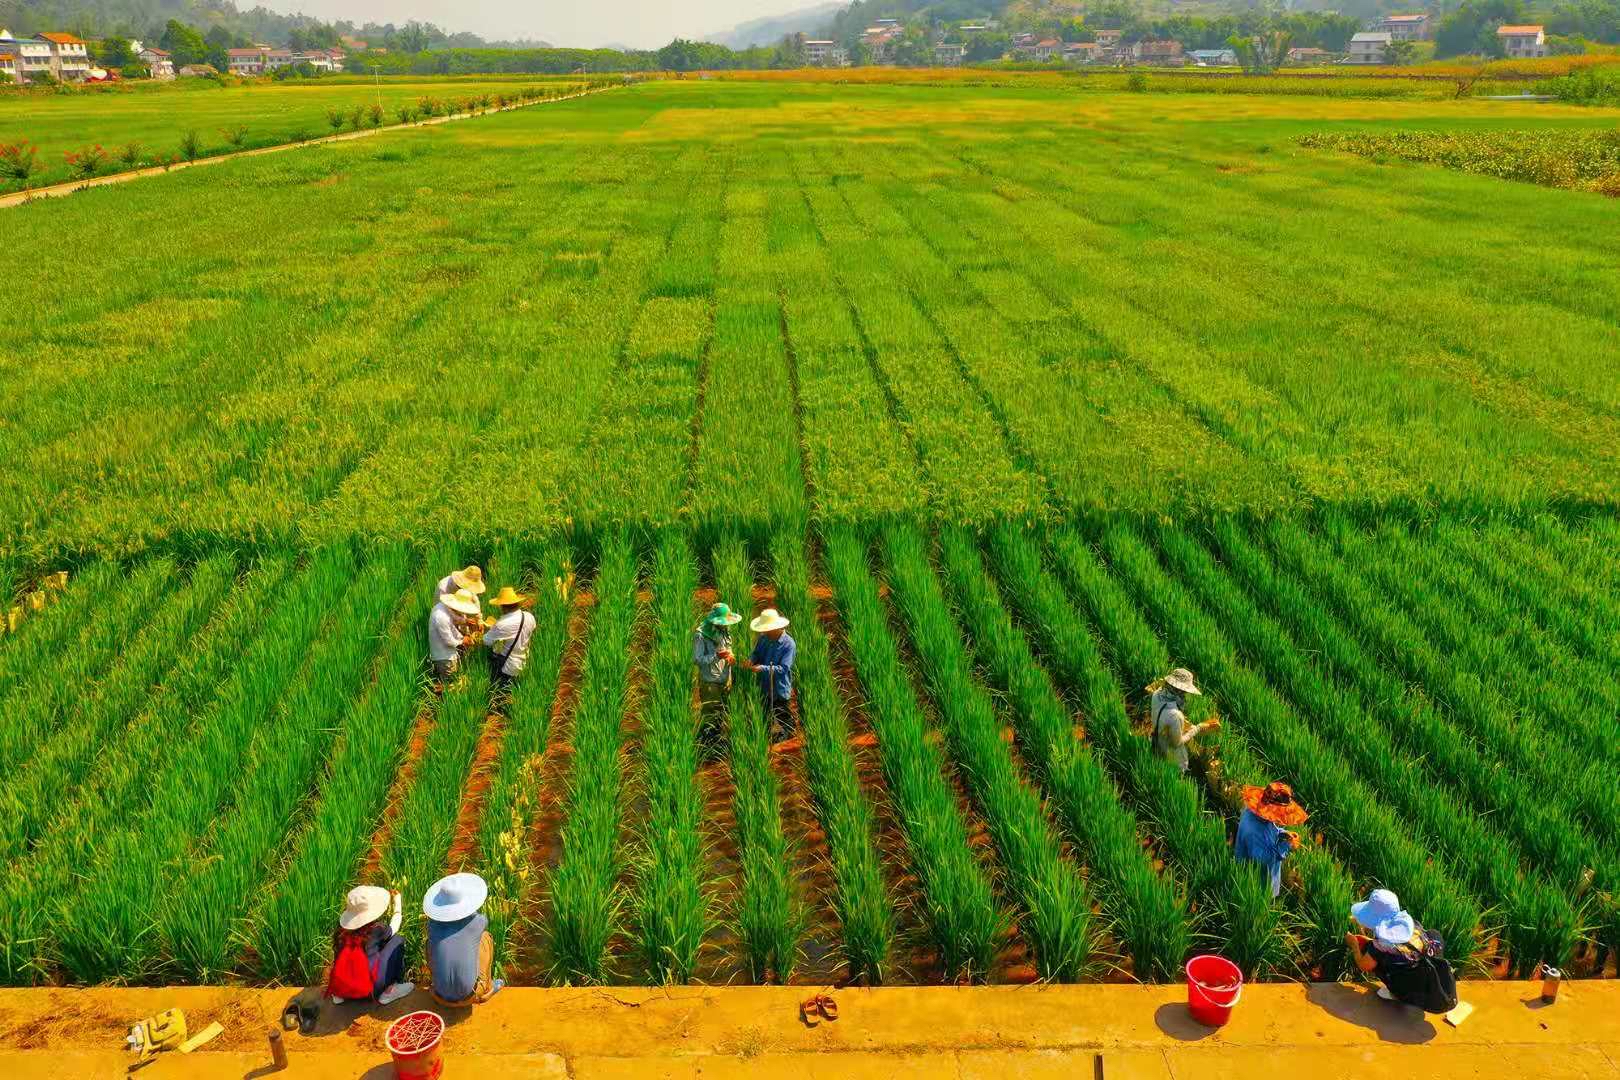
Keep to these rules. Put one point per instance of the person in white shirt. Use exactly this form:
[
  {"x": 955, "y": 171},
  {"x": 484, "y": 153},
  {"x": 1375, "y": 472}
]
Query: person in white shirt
[
  {"x": 513, "y": 629},
  {"x": 446, "y": 638},
  {"x": 1171, "y": 731},
  {"x": 470, "y": 578}
]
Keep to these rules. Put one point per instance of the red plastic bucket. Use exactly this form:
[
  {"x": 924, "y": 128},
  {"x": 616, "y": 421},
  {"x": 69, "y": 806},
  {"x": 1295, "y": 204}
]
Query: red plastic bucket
[
  {"x": 413, "y": 1039},
  {"x": 1214, "y": 985}
]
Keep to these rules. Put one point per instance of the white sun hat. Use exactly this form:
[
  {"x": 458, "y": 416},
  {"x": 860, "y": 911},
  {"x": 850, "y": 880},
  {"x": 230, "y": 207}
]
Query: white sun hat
[
  {"x": 461, "y": 600},
  {"x": 367, "y": 904},
  {"x": 454, "y": 897},
  {"x": 769, "y": 619},
  {"x": 1182, "y": 680},
  {"x": 471, "y": 579}
]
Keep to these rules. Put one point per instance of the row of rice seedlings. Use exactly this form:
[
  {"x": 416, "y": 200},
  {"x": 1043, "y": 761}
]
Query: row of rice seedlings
[
  {"x": 196, "y": 935},
  {"x": 770, "y": 915},
  {"x": 426, "y": 824},
  {"x": 104, "y": 929},
  {"x": 670, "y": 909},
  {"x": 1540, "y": 921},
  {"x": 585, "y": 887},
  {"x": 289, "y": 931},
  {"x": 864, "y": 908},
  {"x": 959, "y": 905},
  {"x": 1343, "y": 807},
  {"x": 1056, "y": 903},
  {"x": 42, "y": 636},
  {"x": 1144, "y": 911},
  {"x": 514, "y": 787},
  {"x": 124, "y": 767},
  {"x": 39, "y": 705},
  {"x": 39, "y": 789},
  {"x": 1565, "y": 567},
  {"x": 1229, "y": 903}
]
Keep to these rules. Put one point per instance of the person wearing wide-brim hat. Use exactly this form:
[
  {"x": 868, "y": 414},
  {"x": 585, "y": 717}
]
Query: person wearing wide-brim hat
[
  {"x": 513, "y": 627},
  {"x": 1261, "y": 834},
  {"x": 1171, "y": 731},
  {"x": 446, "y": 635},
  {"x": 470, "y": 578},
  {"x": 772, "y": 660},
  {"x": 460, "y": 952},
  {"x": 712, "y": 655},
  {"x": 368, "y": 955},
  {"x": 1409, "y": 960}
]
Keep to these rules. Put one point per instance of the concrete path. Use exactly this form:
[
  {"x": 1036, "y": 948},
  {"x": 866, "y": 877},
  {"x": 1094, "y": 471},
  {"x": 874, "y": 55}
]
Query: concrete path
[{"x": 1321, "y": 1031}]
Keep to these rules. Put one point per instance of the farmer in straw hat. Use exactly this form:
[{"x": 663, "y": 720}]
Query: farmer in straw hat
[
  {"x": 514, "y": 627},
  {"x": 1409, "y": 960},
  {"x": 1171, "y": 732},
  {"x": 713, "y": 657},
  {"x": 772, "y": 660},
  {"x": 1261, "y": 837},
  {"x": 470, "y": 578},
  {"x": 460, "y": 952},
  {"x": 447, "y": 635},
  {"x": 368, "y": 955}
]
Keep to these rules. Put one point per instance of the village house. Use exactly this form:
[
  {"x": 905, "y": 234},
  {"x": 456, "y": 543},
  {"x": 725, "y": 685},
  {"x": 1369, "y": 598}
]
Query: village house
[
  {"x": 1309, "y": 54},
  {"x": 1082, "y": 52},
  {"x": 1160, "y": 53},
  {"x": 158, "y": 62},
  {"x": 1213, "y": 57},
  {"x": 277, "y": 58},
  {"x": 881, "y": 40},
  {"x": 246, "y": 61},
  {"x": 8, "y": 68},
  {"x": 825, "y": 53},
  {"x": 1368, "y": 47},
  {"x": 70, "y": 55},
  {"x": 31, "y": 57},
  {"x": 1041, "y": 50},
  {"x": 1521, "y": 42},
  {"x": 949, "y": 55},
  {"x": 1405, "y": 27}
]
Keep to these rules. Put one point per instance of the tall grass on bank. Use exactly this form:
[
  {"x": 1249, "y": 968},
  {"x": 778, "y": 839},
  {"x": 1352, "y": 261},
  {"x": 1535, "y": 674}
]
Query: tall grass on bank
[
  {"x": 586, "y": 895},
  {"x": 770, "y": 914}
]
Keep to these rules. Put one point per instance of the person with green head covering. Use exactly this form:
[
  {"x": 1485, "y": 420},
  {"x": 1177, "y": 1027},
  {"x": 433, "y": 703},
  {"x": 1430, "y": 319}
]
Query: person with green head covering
[{"x": 711, "y": 652}]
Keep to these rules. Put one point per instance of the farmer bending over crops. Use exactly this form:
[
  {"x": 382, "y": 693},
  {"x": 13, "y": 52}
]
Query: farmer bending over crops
[
  {"x": 514, "y": 626},
  {"x": 368, "y": 955},
  {"x": 460, "y": 952},
  {"x": 711, "y": 653},
  {"x": 1261, "y": 837},
  {"x": 470, "y": 578},
  {"x": 447, "y": 635},
  {"x": 1407, "y": 958},
  {"x": 1171, "y": 732},
  {"x": 772, "y": 661}
]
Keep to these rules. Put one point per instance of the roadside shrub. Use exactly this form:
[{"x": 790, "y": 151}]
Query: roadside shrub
[
  {"x": 235, "y": 135},
  {"x": 190, "y": 146},
  {"x": 1589, "y": 86},
  {"x": 334, "y": 119},
  {"x": 374, "y": 114},
  {"x": 130, "y": 155},
  {"x": 1136, "y": 83},
  {"x": 85, "y": 162},
  {"x": 405, "y": 113},
  {"x": 18, "y": 161},
  {"x": 357, "y": 116}
]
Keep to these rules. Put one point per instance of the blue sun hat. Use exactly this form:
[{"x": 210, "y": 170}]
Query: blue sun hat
[
  {"x": 455, "y": 897},
  {"x": 1381, "y": 913}
]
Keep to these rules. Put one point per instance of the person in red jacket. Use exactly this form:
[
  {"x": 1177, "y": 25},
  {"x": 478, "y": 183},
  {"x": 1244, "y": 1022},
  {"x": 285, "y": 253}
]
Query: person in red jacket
[{"x": 368, "y": 955}]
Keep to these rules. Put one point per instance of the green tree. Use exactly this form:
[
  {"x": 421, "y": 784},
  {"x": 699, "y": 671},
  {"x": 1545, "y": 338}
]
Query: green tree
[
  {"x": 1400, "y": 53},
  {"x": 1472, "y": 27},
  {"x": 183, "y": 43},
  {"x": 114, "y": 52}
]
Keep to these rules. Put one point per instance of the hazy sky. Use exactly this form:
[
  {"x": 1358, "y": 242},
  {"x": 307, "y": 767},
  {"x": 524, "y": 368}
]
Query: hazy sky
[{"x": 641, "y": 23}]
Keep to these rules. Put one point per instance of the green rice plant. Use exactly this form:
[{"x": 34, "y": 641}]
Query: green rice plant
[
  {"x": 1229, "y": 904},
  {"x": 514, "y": 791},
  {"x": 862, "y": 902},
  {"x": 670, "y": 906},
  {"x": 585, "y": 889},
  {"x": 39, "y": 789},
  {"x": 959, "y": 905},
  {"x": 770, "y": 915},
  {"x": 104, "y": 928},
  {"x": 42, "y": 635},
  {"x": 195, "y": 934},
  {"x": 1345, "y": 809},
  {"x": 1056, "y": 903},
  {"x": 1145, "y": 910}
]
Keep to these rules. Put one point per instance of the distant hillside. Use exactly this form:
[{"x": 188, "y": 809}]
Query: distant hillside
[{"x": 772, "y": 28}]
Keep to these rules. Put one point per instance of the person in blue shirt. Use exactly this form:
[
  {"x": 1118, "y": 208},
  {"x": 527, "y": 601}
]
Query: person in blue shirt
[
  {"x": 460, "y": 952},
  {"x": 772, "y": 660},
  {"x": 1261, "y": 836}
]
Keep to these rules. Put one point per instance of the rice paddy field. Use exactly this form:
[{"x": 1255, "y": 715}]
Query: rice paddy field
[{"x": 1011, "y": 398}]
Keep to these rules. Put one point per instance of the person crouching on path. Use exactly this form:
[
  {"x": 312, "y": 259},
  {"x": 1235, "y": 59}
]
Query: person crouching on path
[
  {"x": 368, "y": 955},
  {"x": 446, "y": 634},
  {"x": 1409, "y": 960},
  {"x": 713, "y": 657},
  {"x": 513, "y": 627},
  {"x": 460, "y": 952},
  {"x": 1171, "y": 732},
  {"x": 1261, "y": 837},
  {"x": 772, "y": 661}
]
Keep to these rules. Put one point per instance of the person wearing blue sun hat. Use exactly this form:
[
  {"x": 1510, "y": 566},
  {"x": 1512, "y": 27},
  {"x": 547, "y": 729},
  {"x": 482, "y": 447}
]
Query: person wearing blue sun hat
[
  {"x": 1409, "y": 960},
  {"x": 461, "y": 954}
]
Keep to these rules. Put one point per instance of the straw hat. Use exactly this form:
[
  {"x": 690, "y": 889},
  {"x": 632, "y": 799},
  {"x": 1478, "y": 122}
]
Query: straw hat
[
  {"x": 461, "y": 600},
  {"x": 722, "y": 615},
  {"x": 1381, "y": 913},
  {"x": 1182, "y": 680},
  {"x": 508, "y": 596},
  {"x": 367, "y": 904},
  {"x": 769, "y": 619},
  {"x": 471, "y": 579},
  {"x": 454, "y": 897},
  {"x": 1275, "y": 802}
]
